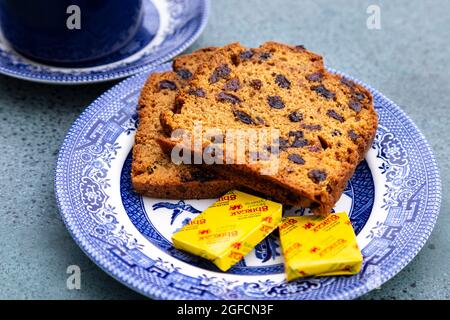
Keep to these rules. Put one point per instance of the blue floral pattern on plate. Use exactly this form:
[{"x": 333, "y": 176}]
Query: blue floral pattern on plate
[
  {"x": 169, "y": 28},
  {"x": 393, "y": 201}
]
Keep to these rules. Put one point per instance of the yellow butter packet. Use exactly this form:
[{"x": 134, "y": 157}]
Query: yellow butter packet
[
  {"x": 319, "y": 246},
  {"x": 229, "y": 229}
]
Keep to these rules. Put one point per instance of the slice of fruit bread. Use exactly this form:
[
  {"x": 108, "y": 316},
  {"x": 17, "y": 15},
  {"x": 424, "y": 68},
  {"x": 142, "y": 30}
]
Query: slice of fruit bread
[
  {"x": 153, "y": 173},
  {"x": 325, "y": 122}
]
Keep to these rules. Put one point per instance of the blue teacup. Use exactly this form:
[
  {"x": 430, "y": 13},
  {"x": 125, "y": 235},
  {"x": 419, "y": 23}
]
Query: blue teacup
[{"x": 69, "y": 31}]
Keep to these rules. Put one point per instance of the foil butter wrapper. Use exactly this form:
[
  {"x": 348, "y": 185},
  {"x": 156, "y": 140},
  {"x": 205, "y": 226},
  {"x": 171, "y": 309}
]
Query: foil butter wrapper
[
  {"x": 229, "y": 229},
  {"x": 319, "y": 246}
]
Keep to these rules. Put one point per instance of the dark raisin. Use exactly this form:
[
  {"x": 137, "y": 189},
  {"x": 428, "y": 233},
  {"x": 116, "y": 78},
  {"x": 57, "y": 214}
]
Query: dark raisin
[
  {"x": 312, "y": 127},
  {"x": 232, "y": 85},
  {"x": 336, "y": 133},
  {"x": 167, "y": 84},
  {"x": 300, "y": 47},
  {"x": 283, "y": 143},
  {"x": 353, "y": 135},
  {"x": 228, "y": 97},
  {"x": 214, "y": 77},
  {"x": 275, "y": 102},
  {"x": 333, "y": 114},
  {"x": 297, "y": 134},
  {"x": 295, "y": 116},
  {"x": 317, "y": 175},
  {"x": 199, "y": 92},
  {"x": 347, "y": 82},
  {"x": 324, "y": 92},
  {"x": 354, "y": 105},
  {"x": 260, "y": 120},
  {"x": 184, "y": 73},
  {"x": 256, "y": 84},
  {"x": 282, "y": 81},
  {"x": 296, "y": 158},
  {"x": 299, "y": 143},
  {"x": 243, "y": 117},
  {"x": 359, "y": 96},
  {"x": 150, "y": 170},
  {"x": 222, "y": 71},
  {"x": 314, "y": 149},
  {"x": 265, "y": 55},
  {"x": 316, "y": 76},
  {"x": 329, "y": 188},
  {"x": 244, "y": 55}
]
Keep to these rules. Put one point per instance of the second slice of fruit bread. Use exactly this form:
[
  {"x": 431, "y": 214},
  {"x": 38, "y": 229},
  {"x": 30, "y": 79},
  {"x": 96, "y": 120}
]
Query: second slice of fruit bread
[{"x": 153, "y": 173}]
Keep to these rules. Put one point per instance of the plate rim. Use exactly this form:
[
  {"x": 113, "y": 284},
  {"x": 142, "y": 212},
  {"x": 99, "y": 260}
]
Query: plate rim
[
  {"x": 111, "y": 75},
  {"x": 352, "y": 291}
]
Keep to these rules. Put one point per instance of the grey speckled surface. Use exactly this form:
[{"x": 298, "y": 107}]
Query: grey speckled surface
[{"x": 408, "y": 60}]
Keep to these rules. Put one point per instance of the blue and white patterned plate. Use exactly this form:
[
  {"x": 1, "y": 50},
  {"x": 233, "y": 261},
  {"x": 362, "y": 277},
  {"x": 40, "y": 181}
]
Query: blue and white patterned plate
[
  {"x": 169, "y": 27},
  {"x": 393, "y": 201}
]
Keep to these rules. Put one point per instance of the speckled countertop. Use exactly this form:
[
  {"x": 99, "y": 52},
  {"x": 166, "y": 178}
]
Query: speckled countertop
[{"x": 407, "y": 60}]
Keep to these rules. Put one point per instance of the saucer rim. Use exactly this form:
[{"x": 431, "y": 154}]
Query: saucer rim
[{"x": 108, "y": 75}]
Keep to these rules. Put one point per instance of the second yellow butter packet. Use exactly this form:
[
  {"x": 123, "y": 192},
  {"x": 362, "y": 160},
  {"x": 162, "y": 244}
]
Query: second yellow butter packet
[
  {"x": 319, "y": 246},
  {"x": 229, "y": 229}
]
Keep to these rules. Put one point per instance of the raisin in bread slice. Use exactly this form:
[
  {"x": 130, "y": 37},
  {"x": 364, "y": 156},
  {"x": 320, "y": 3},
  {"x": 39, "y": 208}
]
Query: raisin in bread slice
[
  {"x": 153, "y": 174},
  {"x": 326, "y": 122}
]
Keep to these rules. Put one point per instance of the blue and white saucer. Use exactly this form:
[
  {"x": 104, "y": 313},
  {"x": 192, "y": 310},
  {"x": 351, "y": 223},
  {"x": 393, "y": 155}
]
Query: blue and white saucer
[
  {"x": 169, "y": 27},
  {"x": 393, "y": 201}
]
